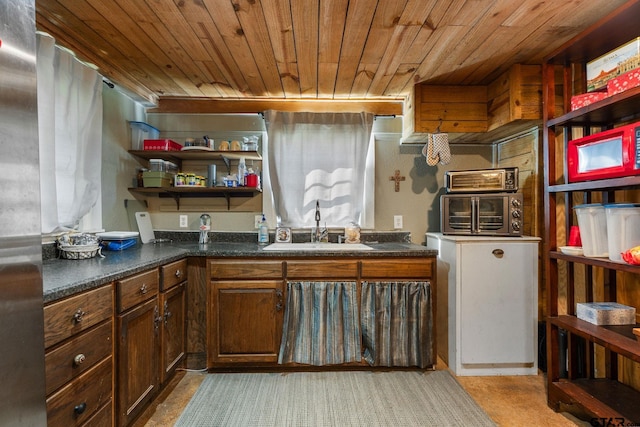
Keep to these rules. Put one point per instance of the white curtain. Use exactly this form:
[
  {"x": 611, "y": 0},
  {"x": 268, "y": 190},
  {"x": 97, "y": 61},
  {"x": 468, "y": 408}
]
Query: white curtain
[
  {"x": 70, "y": 129},
  {"x": 321, "y": 156}
]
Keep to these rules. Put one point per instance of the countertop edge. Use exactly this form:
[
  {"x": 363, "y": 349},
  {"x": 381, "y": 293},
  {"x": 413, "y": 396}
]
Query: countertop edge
[{"x": 64, "y": 278}]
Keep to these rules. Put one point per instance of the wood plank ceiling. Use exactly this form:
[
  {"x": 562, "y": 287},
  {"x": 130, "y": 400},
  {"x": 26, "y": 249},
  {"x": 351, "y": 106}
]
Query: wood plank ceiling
[{"x": 309, "y": 49}]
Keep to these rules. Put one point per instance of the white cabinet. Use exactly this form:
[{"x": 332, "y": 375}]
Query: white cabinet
[{"x": 487, "y": 304}]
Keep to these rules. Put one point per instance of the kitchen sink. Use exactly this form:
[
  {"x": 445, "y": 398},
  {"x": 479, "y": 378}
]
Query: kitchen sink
[{"x": 307, "y": 246}]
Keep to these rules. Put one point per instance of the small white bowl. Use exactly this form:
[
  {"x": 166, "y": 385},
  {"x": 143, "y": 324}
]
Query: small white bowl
[{"x": 571, "y": 250}]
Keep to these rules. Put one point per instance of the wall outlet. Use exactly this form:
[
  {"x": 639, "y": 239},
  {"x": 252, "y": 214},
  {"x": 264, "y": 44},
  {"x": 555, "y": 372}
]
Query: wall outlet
[
  {"x": 184, "y": 221},
  {"x": 256, "y": 221},
  {"x": 397, "y": 222}
]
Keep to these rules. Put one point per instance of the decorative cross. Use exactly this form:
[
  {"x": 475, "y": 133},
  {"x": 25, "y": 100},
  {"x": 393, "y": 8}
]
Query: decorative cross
[{"x": 397, "y": 178}]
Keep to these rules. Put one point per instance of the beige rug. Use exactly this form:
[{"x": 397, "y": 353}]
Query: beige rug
[{"x": 359, "y": 398}]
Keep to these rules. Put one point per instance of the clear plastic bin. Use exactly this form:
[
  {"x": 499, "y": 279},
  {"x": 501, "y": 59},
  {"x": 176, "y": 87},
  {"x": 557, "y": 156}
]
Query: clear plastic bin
[
  {"x": 141, "y": 131},
  {"x": 592, "y": 221},
  {"x": 623, "y": 228}
]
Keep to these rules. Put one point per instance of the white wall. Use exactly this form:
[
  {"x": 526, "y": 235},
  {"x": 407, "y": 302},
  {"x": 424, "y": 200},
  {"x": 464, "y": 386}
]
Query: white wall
[{"x": 417, "y": 201}]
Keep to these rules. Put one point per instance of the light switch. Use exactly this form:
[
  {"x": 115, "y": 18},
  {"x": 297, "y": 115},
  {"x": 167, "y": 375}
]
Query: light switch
[
  {"x": 397, "y": 222},
  {"x": 184, "y": 221}
]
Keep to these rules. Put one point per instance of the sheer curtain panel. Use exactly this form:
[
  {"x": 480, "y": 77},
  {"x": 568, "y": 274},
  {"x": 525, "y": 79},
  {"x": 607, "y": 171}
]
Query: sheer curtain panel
[
  {"x": 321, "y": 324},
  {"x": 397, "y": 324},
  {"x": 70, "y": 128},
  {"x": 321, "y": 156}
]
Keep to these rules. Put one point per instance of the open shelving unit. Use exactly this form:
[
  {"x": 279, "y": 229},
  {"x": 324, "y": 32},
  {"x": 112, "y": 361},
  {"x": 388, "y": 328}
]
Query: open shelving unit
[
  {"x": 576, "y": 348},
  {"x": 180, "y": 157}
]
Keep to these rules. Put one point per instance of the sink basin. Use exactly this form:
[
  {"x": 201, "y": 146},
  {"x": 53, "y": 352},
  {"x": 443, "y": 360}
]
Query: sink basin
[{"x": 317, "y": 247}]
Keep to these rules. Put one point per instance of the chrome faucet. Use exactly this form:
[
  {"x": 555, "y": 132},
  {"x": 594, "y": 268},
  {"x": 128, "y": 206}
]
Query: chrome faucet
[
  {"x": 319, "y": 235},
  {"x": 205, "y": 227}
]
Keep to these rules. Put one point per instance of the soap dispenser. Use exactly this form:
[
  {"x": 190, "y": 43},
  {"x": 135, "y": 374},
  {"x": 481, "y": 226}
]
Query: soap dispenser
[
  {"x": 205, "y": 227},
  {"x": 263, "y": 231}
]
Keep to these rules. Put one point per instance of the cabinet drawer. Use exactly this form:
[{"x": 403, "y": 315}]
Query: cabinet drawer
[
  {"x": 65, "y": 318},
  {"x": 78, "y": 355},
  {"x": 80, "y": 399},
  {"x": 172, "y": 274},
  {"x": 136, "y": 289},
  {"x": 245, "y": 269},
  {"x": 398, "y": 268},
  {"x": 102, "y": 418},
  {"x": 322, "y": 269}
]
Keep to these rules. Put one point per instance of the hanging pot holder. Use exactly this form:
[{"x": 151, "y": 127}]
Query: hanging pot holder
[
  {"x": 429, "y": 152},
  {"x": 441, "y": 147}
]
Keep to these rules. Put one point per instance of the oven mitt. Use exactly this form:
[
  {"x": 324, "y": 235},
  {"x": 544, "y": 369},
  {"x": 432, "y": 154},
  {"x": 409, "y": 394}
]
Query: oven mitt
[
  {"x": 441, "y": 147},
  {"x": 437, "y": 149}
]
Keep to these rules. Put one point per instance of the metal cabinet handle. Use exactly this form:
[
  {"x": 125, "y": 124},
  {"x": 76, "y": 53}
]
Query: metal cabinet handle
[
  {"x": 79, "y": 359},
  {"x": 143, "y": 289},
  {"x": 279, "y": 303},
  {"x": 79, "y": 409},
  {"x": 156, "y": 318},
  {"x": 78, "y": 315},
  {"x": 498, "y": 253},
  {"x": 178, "y": 273},
  {"x": 167, "y": 313}
]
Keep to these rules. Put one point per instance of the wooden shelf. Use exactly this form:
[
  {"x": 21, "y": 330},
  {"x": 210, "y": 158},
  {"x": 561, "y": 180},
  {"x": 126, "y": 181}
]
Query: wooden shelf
[
  {"x": 177, "y": 193},
  {"x": 617, "y": 108},
  {"x": 195, "y": 155},
  {"x": 601, "y": 398},
  {"x": 608, "y": 401},
  {"x": 597, "y": 262},
  {"x": 601, "y": 184},
  {"x": 619, "y": 338}
]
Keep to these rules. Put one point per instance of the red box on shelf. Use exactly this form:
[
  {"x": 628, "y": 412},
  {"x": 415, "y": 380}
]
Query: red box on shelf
[
  {"x": 623, "y": 82},
  {"x": 579, "y": 101},
  {"x": 161, "y": 145}
]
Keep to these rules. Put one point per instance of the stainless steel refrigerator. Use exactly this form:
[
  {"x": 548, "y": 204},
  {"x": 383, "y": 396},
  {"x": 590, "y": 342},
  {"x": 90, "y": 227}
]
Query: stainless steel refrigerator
[{"x": 22, "y": 383}]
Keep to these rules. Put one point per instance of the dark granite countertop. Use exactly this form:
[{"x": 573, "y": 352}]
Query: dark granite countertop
[{"x": 62, "y": 277}]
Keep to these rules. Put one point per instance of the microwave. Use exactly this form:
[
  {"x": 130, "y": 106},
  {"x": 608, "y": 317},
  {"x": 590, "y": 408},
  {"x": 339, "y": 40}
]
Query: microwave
[
  {"x": 481, "y": 180},
  {"x": 498, "y": 214},
  {"x": 612, "y": 153}
]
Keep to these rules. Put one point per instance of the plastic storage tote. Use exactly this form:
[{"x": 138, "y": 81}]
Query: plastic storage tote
[
  {"x": 623, "y": 228},
  {"x": 592, "y": 221},
  {"x": 141, "y": 131}
]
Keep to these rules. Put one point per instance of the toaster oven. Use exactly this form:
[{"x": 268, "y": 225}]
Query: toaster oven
[
  {"x": 497, "y": 214},
  {"x": 482, "y": 180}
]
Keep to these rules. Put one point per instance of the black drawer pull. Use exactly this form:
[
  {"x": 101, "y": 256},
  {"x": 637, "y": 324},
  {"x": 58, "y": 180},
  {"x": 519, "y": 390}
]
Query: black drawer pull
[{"x": 79, "y": 409}]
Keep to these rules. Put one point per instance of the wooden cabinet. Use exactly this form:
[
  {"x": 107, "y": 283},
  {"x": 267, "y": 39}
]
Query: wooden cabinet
[
  {"x": 246, "y": 299},
  {"x": 173, "y": 312},
  {"x": 591, "y": 369},
  {"x": 79, "y": 359},
  {"x": 246, "y": 304},
  {"x": 138, "y": 324}
]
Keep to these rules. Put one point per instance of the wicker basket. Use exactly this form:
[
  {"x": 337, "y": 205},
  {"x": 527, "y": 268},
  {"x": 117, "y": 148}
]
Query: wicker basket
[{"x": 80, "y": 251}]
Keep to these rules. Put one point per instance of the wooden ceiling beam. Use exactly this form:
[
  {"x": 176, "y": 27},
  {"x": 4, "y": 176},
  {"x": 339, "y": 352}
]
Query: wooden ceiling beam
[{"x": 218, "y": 106}]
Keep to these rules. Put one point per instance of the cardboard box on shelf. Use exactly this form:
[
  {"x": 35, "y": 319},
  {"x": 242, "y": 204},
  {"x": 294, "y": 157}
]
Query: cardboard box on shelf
[
  {"x": 582, "y": 100},
  {"x": 612, "y": 64},
  {"x": 624, "y": 82}
]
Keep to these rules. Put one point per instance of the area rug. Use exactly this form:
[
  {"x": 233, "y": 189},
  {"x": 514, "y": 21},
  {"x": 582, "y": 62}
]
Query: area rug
[{"x": 360, "y": 398}]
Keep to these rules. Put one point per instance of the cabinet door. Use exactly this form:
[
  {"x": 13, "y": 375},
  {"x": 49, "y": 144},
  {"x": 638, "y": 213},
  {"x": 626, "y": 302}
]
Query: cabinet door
[
  {"x": 173, "y": 329},
  {"x": 246, "y": 321},
  {"x": 138, "y": 354},
  {"x": 498, "y": 302}
]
